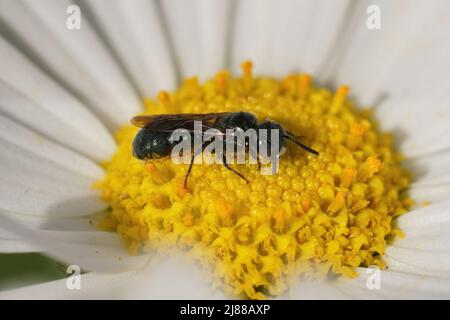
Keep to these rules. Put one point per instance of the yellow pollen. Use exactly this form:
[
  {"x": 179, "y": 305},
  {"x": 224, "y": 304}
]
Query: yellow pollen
[
  {"x": 371, "y": 166},
  {"x": 304, "y": 85},
  {"x": 222, "y": 81},
  {"x": 188, "y": 219},
  {"x": 347, "y": 177},
  {"x": 319, "y": 216},
  {"x": 155, "y": 173},
  {"x": 224, "y": 212},
  {"x": 337, "y": 203},
  {"x": 164, "y": 98},
  {"x": 247, "y": 70},
  {"x": 279, "y": 220},
  {"x": 247, "y": 67},
  {"x": 356, "y": 136},
  {"x": 339, "y": 99},
  {"x": 290, "y": 84}
]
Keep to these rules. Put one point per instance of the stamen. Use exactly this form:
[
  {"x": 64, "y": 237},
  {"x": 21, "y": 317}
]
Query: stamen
[
  {"x": 279, "y": 220},
  {"x": 222, "y": 81},
  {"x": 339, "y": 99},
  {"x": 164, "y": 97},
  {"x": 247, "y": 70},
  {"x": 347, "y": 177},
  {"x": 224, "y": 213},
  {"x": 247, "y": 67},
  {"x": 356, "y": 135},
  {"x": 304, "y": 84},
  {"x": 337, "y": 203},
  {"x": 290, "y": 84},
  {"x": 165, "y": 101},
  {"x": 371, "y": 166}
]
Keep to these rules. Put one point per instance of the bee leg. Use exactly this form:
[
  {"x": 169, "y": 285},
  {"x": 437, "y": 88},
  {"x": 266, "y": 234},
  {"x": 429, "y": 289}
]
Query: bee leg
[
  {"x": 194, "y": 154},
  {"x": 224, "y": 161},
  {"x": 255, "y": 153},
  {"x": 186, "y": 177},
  {"x": 189, "y": 171}
]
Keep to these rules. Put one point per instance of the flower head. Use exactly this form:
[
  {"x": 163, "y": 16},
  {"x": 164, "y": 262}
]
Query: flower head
[
  {"x": 65, "y": 92},
  {"x": 318, "y": 214}
]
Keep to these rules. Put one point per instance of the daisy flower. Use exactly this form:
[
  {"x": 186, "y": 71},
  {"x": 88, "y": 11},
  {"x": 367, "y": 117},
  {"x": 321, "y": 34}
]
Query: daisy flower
[{"x": 367, "y": 218}]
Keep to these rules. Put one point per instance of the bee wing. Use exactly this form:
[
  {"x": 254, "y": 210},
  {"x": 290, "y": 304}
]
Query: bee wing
[
  {"x": 170, "y": 122},
  {"x": 191, "y": 129}
]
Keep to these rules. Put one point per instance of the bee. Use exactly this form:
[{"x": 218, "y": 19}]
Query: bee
[{"x": 154, "y": 141}]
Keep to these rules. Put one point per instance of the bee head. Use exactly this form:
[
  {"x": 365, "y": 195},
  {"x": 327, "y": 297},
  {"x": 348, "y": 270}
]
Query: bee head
[
  {"x": 268, "y": 140},
  {"x": 149, "y": 144}
]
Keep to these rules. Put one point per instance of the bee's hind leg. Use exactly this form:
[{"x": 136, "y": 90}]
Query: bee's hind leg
[
  {"x": 224, "y": 162},
  {"x": 254, "y": 153},
  {"x": 194, "y": 154},
  {"x": 186, "y": 177}
]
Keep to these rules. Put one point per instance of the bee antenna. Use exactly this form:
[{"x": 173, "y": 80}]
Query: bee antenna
[{"x": 301, "y": 145}]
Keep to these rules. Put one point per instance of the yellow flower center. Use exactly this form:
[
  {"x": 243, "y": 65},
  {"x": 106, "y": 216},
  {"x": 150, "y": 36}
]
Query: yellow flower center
[{"x": 319, "y": 215}]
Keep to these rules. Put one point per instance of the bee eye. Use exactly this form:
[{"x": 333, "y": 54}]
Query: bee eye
[
  {"x": 141, "y": 148},
  {"x": 148, "y": 144}
]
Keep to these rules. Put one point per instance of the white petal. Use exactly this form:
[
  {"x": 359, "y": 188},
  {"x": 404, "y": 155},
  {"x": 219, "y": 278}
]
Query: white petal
[
  {"x": 283, "y": 37},
  {"x": 135, "y": 32},
  {"x": 402, "y": 267},
  {"x": 430, "y": 170},
  {"x": 76, "y": 58},
  {"x": 314, "y": 290},
  {"x": 432, "y": 193},
  {"x": 75, "y": 230},
  {"x": 85, "y": 223},
  {"x": 402, "y": 69},
  {"x": 33, "y": 144},
  {"x": 418, "y": 121},
  {"x": 93, "y": 286},
  {"x": 431, "y": 175},
  {"x": 402, "y": 57},
  {"x": 34, "y": 200},
  {"x": 394, "y": 285},
  {"x": 168, "y": 278},
  {"x": 425, "y": 247},
  {"x": 431, "y": 260},
  {"x": 172, "y": 277},
  {"x": 98, "y": 251},
  {"x": 434, "y": 215},
  {"x": 42, "y": 178},
  {"x": 199, "y": 31},
  {"x": 15, "y": 246},
  {"x": 425, "y": 243},
  {"x": 30, "y": 97}
]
